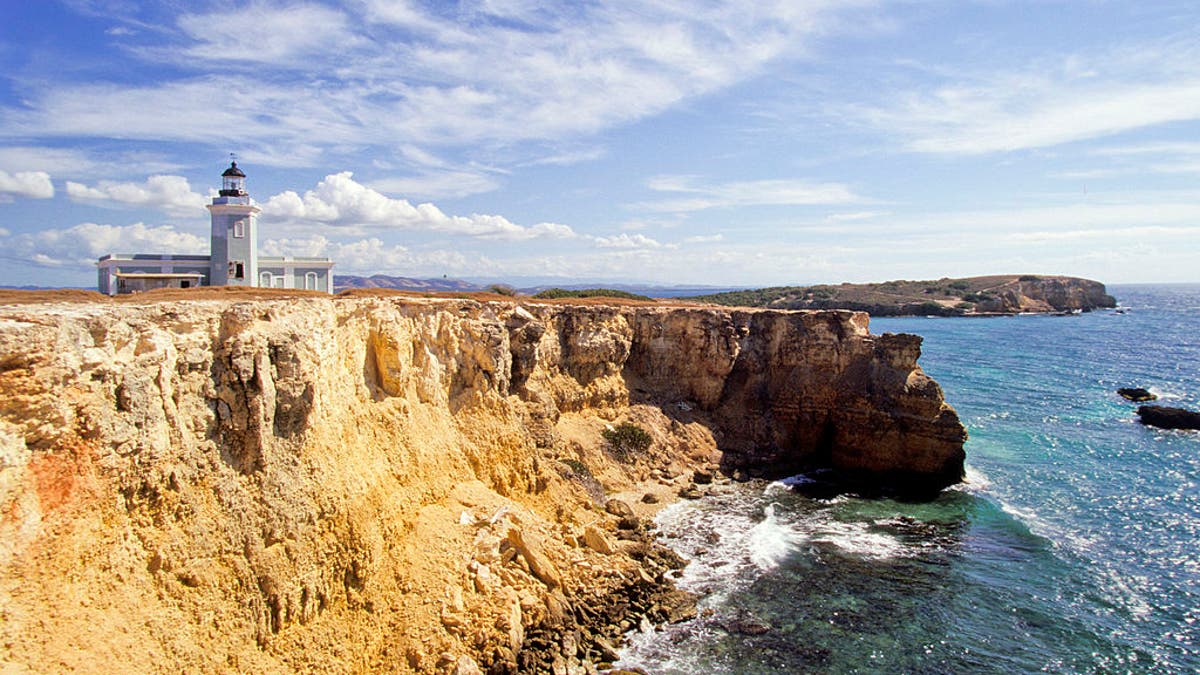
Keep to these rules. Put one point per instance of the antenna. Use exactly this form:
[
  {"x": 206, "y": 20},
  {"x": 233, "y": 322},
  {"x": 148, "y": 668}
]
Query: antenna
[{"x": 233, "y": 157}]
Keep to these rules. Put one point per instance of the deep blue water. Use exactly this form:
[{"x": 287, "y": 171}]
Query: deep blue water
[{"x": 1074, "y": 548}]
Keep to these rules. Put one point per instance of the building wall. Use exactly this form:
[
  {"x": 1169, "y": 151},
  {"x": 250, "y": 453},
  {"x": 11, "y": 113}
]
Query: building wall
[
  {"x": 297, "y": 275},
  {"x": 106, "y": 274},
  {"x": 234, "y": 242}
]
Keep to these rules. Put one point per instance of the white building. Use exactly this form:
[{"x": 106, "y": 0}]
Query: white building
[{"x": 233, "y": 258}]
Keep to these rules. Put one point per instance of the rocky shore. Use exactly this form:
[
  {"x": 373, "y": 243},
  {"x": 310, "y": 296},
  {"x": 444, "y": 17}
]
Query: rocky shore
[{"x": 359, "y": 483}]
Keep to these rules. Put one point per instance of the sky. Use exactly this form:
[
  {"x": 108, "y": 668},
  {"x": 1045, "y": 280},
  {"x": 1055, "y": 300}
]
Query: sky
[{"x": 658, "y": 141}]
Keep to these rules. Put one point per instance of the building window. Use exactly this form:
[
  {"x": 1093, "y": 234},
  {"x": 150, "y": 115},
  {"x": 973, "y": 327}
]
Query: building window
[
  {"x": 310, "y": 281},
  {"x": 264, "y": 279},
  {"x": 239, "y": 228},
  {"x": 237, "y": 269}
]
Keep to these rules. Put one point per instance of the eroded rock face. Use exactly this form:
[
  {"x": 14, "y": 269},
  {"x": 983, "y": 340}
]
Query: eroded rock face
[
  {"x": 1050, "y": 294},
  {"x": 335, "y": 484}
]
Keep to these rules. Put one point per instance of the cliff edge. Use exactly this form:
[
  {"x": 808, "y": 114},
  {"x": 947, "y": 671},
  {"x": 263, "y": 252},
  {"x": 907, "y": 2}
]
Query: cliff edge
[{"x": 355, "y": 484}]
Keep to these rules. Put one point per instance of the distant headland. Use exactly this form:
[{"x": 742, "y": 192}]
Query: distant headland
[{"x": 971, "y": 296}]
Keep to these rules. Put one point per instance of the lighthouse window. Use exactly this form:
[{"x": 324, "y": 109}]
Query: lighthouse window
[
  {"x": 239, "y": 228},
  {"x": 237, "y": 269}
]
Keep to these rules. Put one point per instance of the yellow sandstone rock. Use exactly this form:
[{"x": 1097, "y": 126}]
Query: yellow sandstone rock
[{"x": 279, "y": 485}]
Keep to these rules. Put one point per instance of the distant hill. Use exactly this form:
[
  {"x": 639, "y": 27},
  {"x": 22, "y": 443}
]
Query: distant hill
[
  {"x": 1001, "y": 294},
  {"x": 649, "y": 290},
  {"x": 342, "y": 282}
]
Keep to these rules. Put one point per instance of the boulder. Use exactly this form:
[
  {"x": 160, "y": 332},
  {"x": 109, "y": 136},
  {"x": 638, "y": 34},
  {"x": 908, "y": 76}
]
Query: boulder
[
  {"x": 618, "y": 508},
  {"x": 597, "y": 540},
  {"x": 1136, "y": 394},
  {"x": 1168, "y": 418}
]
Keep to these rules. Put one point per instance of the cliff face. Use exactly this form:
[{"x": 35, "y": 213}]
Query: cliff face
[
  {"x": 354, "y": 484},
  {"x": 1048, "y": 294}
]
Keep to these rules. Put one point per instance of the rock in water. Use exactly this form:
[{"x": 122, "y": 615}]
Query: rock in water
[
  {"x": 1169, "y": 418},
  {"x": 1136, "y": 394}
]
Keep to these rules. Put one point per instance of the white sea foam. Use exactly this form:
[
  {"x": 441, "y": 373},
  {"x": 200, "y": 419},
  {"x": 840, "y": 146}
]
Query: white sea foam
[
  {"x": 771, "y": 541},
  {"x": 1164, "y": 394},
  {"x": 974, "y": 482},
  {"x": 855, "y": 538}
]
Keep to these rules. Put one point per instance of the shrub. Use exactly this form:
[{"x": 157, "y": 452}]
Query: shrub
[
  {"x": 502, "y": 289},
  {"x": 1029, "y": 277},
  {"x": 555, "y": 293},
  {"x": 626, "y": 440},
  {"x": 960, "y": 285}
]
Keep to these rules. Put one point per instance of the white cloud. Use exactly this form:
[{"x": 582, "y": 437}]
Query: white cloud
[
  {"x": 385, "y": 74},
  {"x": 1045, "y": 103},
  {"x": 172, "y": 194},
  {"x": 704, "y": 239},
  {"x": 30, "y": 184},
  {"x": 855, "y": 216},
  {"x": 82, "y": 244},
  {"x": 569, "y": 157},
  {"x": 372, "y": 256},
  {"x": 628, "y": 241},
  {"x": 341, "y": 201},
  {"x": 259, "y": 33},
  {"x": 439, "y": 184},
  {"x": 56, "y": 161},
  {"x": 743, "y": 193}
]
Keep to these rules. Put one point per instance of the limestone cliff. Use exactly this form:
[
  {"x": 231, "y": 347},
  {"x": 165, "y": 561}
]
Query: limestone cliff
[
  {"x": 1047, "y": 294},
  {"x": 364, "y": 483}
]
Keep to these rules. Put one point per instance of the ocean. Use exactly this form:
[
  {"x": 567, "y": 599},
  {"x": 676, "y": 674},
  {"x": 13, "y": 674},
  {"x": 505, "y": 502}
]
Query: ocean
[{"x": 1073, "y": 548}]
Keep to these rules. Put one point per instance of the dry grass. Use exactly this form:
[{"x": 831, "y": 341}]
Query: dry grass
[{"x": 80, "y": 296}]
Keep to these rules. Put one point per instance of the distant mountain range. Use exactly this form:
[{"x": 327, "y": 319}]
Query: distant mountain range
[{"x": 343, "y": 282}]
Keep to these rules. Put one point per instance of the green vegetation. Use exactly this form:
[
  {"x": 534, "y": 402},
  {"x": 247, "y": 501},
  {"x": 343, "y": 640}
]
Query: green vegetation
[
  {"x": 627, "y": 440},
  {"x": 555, "y": 293},
  {"x": 1029, "y": 277}
]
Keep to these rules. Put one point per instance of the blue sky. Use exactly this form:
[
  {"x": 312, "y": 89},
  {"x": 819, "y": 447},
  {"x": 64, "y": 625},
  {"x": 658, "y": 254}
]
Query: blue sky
[{"x": 660, "y": 141}]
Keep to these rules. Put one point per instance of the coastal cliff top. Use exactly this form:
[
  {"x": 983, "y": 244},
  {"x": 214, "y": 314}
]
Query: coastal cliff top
[{"x": 986, "y": 295}]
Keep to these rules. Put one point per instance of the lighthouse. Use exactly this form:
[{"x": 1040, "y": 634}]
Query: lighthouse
[{"x": 234, "y": 260}]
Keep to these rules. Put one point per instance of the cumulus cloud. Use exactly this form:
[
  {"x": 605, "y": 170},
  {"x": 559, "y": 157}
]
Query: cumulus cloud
[
  {"x": 372, "y": 255},
  {"x": 742, "y": 193},
  {"x": 172, "y": 194},
  {"x": 82, "y": 244},
  {"x": 29, "y": 184},
  {"x": 341, "y": 201}
]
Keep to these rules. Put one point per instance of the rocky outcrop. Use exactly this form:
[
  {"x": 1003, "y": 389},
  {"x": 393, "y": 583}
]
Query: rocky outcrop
[
  {"x": 362, "y": 484},
  {"x": 1165, "y": 417},
  {"x": 1046, "y": 294},
  {"x": 1136, "y": 394}
]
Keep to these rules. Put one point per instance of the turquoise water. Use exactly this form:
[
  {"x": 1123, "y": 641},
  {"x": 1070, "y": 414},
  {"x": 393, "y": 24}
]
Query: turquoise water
[{"x": 1074, "y": 548}]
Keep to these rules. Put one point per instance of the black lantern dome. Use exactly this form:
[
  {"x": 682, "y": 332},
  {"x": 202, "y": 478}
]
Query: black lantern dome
[{"x": 233, "y": 182}]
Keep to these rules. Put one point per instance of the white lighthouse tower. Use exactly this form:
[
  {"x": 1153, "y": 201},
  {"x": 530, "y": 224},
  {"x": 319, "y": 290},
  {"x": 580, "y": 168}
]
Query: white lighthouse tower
[{"x": 234, "y": 259}]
